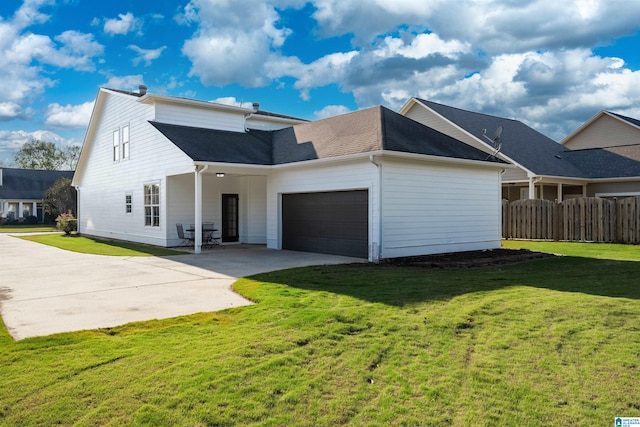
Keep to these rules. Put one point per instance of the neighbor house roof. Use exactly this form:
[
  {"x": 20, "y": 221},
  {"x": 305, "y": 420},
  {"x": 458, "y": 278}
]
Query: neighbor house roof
[
  {"x": 28, "y": 184},
  {"x": 522, "y": 144},
  {"x": 610, "y": 162},
  {"x": 369, "y": 130}
]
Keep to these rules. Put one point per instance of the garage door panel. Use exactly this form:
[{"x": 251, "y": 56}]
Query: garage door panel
[{"x": 331, "y": 222}]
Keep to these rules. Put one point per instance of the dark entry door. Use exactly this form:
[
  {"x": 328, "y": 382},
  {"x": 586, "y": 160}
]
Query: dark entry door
[
  {"x": 230, "y": 218},
  {"x": 329, "y": 222}
]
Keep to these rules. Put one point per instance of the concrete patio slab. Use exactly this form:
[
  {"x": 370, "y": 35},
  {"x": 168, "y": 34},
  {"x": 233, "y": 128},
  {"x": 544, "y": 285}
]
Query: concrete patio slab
[{"x": 46, "y": 290}]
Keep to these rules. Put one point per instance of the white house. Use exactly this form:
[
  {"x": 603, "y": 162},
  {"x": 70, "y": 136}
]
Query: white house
[
  {"x": 371, "y": 184},
  {"x": 22, "y": 192}
]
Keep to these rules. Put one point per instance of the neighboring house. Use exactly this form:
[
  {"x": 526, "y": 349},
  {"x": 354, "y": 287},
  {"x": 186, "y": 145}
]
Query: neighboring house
[
  {"x": 613, "y": 141},
  {"x": 22, "y": 191},
  {"x": 370, "y": 184},
  {"x": 545, "y": 169}
]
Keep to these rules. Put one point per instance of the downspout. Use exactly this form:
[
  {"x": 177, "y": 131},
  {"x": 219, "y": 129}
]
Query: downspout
[
  {"x": 77, "y": 187},
  {"x": 197, "y": 243},
  {"x": 376, "y": 249}
]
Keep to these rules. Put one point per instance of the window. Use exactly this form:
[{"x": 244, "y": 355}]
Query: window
[
  {"x": 152, "y": 205},
  {"x": 116, "y": 145},
  {"x": 125, "y": 142},
  {"x": 128, "y": 206}
]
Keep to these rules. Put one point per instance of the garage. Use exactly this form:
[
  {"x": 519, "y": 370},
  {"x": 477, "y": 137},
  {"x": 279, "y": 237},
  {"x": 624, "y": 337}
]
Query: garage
[{"x": 334, "y": 223}]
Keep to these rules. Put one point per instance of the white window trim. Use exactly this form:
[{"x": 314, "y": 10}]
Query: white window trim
[
  {"x": 129, "y": 203},
  {"x": 115, "y": 141},
  {"x": 125, "y": 143},
  {"x": 151, "y": 205}
]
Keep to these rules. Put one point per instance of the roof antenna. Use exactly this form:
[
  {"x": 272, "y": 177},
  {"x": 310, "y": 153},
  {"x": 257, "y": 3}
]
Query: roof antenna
[{"x": 496, "y": 141}]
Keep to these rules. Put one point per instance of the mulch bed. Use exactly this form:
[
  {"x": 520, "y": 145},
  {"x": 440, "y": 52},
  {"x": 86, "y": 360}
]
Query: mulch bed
[{"x": 468, "y": 259}]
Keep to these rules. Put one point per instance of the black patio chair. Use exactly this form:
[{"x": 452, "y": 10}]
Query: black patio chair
[{"x": 186, "y": 237}]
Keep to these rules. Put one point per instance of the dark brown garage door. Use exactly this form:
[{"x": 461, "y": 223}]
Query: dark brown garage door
[{"x": 331, "y": 223}]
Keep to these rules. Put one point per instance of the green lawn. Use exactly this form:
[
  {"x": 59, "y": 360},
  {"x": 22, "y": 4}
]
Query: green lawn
[
  {"x": 27, "y": 228},
  {"x": 550, "y": 342},
  {"x": 99, "y": 247},
  {"x": 588, "y": 250}
]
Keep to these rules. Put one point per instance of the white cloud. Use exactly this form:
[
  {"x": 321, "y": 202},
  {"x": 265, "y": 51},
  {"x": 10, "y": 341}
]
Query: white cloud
[
  {"x": 12, "y": 141},
  {"x": 331, "y": 111},
  {"x": 146, "y": 55},
  {"x": 130, "y": 82},
  {"x": 230, "y": 44},
  {"x": 495, "y": 26},
  {"x": 123, "y": 24},
  {"x": 231, "y": 100},
  {"x": 23, "y": 55},
  {"x": 69, "y": 116},
  {"x": 9, "y": 111}
]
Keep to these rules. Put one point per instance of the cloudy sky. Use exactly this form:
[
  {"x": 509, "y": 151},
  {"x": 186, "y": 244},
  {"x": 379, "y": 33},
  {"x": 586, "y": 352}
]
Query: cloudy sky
[{"x": 552, "y": 64}]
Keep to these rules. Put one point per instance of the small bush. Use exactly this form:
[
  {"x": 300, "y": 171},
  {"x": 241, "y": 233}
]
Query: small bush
[
  {"x": 67, "y": 222},
  {"x": 31, "y": 219}
]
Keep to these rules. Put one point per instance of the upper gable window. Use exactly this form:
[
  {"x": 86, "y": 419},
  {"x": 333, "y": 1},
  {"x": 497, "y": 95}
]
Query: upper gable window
[
  {"x": 125, "y": 142},
  {"x": 116, "y": 145}
]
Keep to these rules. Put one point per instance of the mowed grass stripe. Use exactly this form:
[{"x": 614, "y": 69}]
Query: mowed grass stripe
[{"x": 549, "y": 342}]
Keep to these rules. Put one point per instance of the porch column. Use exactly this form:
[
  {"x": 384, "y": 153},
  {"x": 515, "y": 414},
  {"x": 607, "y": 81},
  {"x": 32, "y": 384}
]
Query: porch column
[
  {"x": 559, "y": 192},
  {"x": 584, "y": 190},
  {"x": 34, "y": 209},
  {"x": 532, "y": 189},
  {"x": 197, "y": 246},
  {"x": 20, "y": 210}
]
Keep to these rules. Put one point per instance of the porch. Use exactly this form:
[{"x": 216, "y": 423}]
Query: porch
[{"x": 232, "y": 201}]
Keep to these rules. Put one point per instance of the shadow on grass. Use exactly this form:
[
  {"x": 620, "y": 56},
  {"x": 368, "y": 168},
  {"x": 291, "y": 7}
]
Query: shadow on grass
[{"x": 398, "y": 286}]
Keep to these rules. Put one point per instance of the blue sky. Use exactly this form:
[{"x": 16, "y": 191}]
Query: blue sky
[{"x": 552, "y": 64}]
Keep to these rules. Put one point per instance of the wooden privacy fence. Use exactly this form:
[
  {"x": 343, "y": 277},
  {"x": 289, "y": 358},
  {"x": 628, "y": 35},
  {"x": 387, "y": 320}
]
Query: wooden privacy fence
[{"x": 586, "y": 219}]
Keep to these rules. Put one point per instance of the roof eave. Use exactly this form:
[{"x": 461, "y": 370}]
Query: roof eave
[{"x": 150, "y": 98}]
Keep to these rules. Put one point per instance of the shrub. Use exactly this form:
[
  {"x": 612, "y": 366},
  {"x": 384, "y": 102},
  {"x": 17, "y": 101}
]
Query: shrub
[
  {"x": 31, "y": 219},
  {"x": 67, "y": 222}
]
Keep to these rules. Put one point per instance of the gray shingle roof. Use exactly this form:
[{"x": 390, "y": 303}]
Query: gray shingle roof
[
  {"x": 28, "y": 184},
  {"x": 524, "y": 145},
  {"x": 363, "y": 131},
  {"x": 610, "y": 162},
  {"x": 211, "y": 145},
  {"x": 538, "y": 153}
]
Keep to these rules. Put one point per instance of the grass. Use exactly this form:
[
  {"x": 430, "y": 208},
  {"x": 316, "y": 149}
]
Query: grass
[
  {"x": 549, "y": 342},
  {"x": 587, "y": 250},
  {"x": 38, "y": 228},
  {"x": 99, "y": 247}
]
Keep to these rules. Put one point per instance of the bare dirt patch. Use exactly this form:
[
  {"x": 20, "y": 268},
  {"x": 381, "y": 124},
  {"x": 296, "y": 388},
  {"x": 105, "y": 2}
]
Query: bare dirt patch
[{"x": 468, "y": 259}]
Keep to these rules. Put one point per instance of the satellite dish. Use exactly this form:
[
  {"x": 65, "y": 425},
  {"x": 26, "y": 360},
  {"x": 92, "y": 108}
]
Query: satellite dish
[
  {"x": 498, "y": 134},
  {"x": 496, "y": 141}
]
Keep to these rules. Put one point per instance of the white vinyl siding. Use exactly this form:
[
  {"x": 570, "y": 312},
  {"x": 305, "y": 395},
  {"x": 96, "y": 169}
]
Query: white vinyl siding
[
  {"x": 199, "y": 117},
  {"x": 103, "y": 182},
  {"x": 436, "y": 208}
]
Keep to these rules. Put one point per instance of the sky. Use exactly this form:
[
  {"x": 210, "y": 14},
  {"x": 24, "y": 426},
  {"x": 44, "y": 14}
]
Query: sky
[{"x": 551, "y": 64}]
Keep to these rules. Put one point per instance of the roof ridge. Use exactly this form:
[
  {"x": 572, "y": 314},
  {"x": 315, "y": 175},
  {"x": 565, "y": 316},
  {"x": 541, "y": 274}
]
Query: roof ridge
[
  {"x": 467, "y": 111},
  {"x": 602, "y": 148}
]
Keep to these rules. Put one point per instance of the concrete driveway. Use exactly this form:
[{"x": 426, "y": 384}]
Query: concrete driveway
[{"x": 45, "y": 290}]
